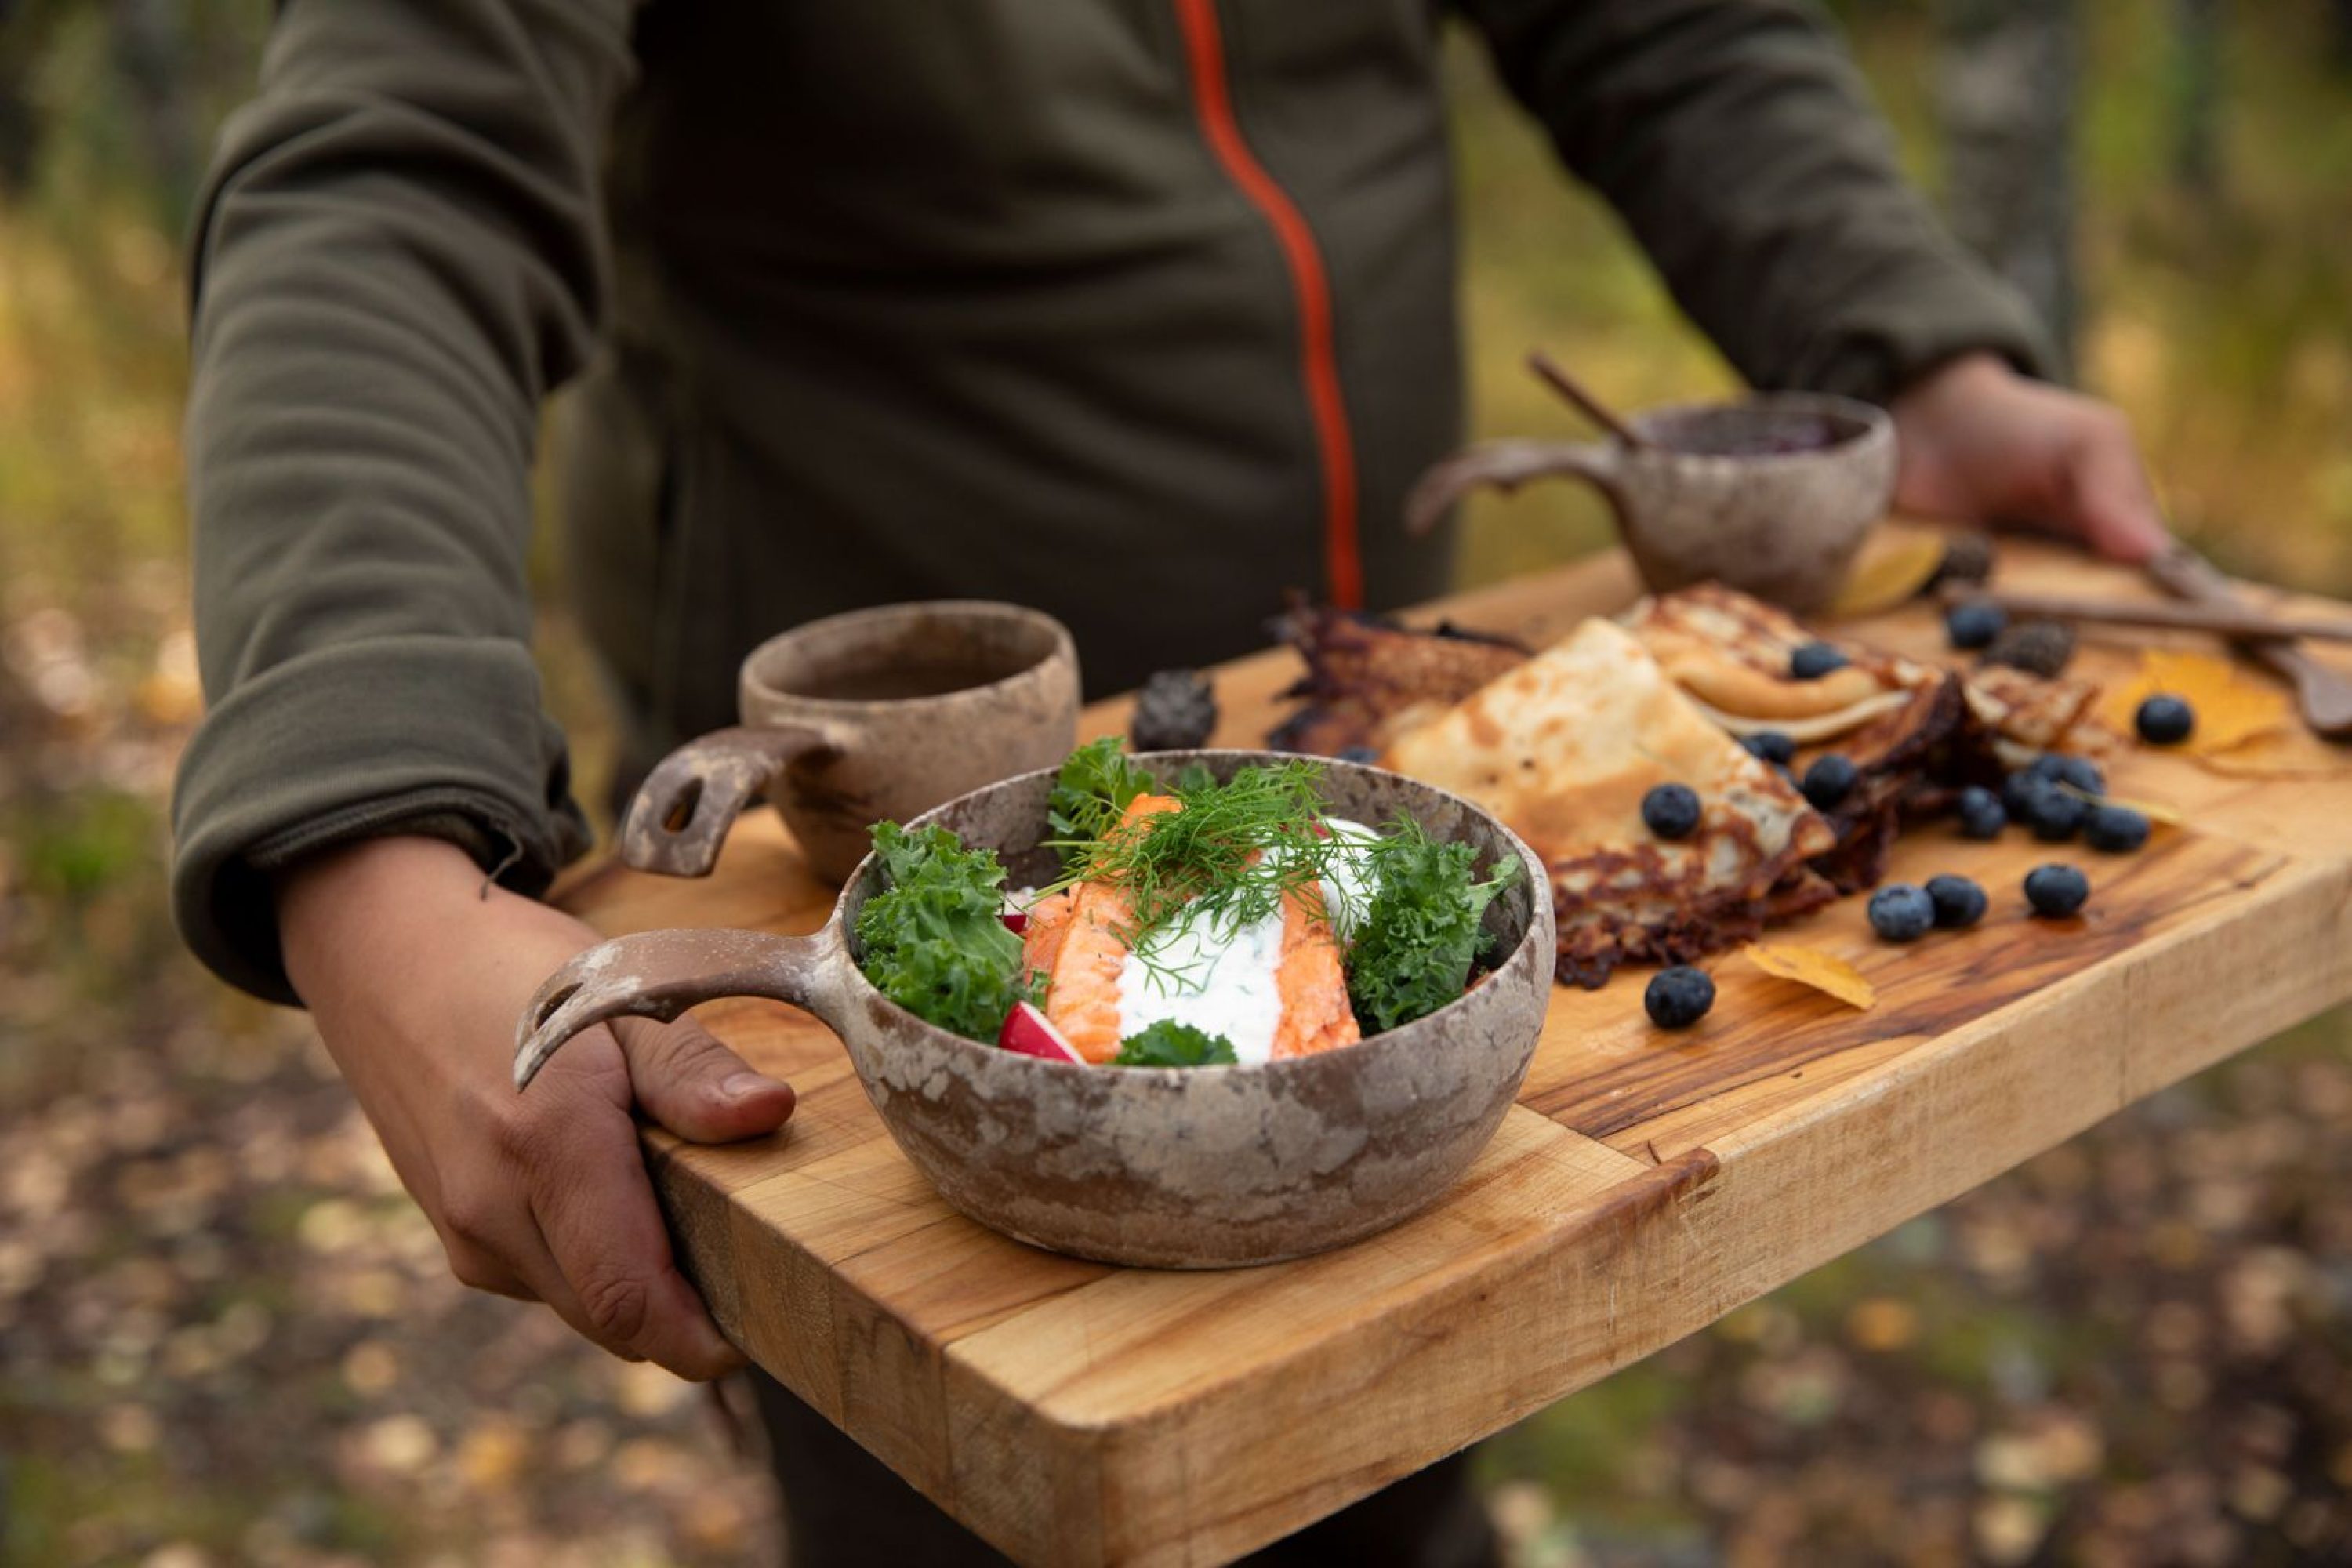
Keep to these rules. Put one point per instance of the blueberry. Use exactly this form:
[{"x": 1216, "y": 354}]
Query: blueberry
[
  {"x": 2016, "y": 791},
  {"x": 1671, "y": 810},
  {"x": 2083, "y": 774},
  {"x": 1814, "y": 659},
  {"x": 2054, "y": 815},
  {"x": 1770, "y": 746},
  {"x": 1974, "y": 623},
  {"x": 1367, "y": 754},
  {"x": 2165, "y": 721},
  {"x": 1902, "y": 912},
  {"x": 1829, "y": 781},
  {"x": 1959, "y": 902},
  {"x": 1679, "y": 996},
  {"x": 2056, "y": 891},
  {"x": 2047, "y": 768},
  {"x": 2116, "y": 829},
  {"x": 1981, "y": 813}
]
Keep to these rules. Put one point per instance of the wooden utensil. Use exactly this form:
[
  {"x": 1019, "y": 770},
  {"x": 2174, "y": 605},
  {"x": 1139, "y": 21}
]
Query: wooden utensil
[
  {"x": 2232, "y": 619},
  {"x": 1549, "y": 372},
  {"x": 2323, "y": 695}
]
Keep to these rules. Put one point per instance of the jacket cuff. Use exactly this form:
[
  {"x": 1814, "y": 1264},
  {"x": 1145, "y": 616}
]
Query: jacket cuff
[
  {"x": 1922, "y": 313},
  {"x": 439, "y": 736}
]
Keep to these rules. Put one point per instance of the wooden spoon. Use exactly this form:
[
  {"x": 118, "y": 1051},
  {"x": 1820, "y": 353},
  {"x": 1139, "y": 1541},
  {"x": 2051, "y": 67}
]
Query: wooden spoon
[
  {"x": 2323, "y": 695},
  {"x": 1549, "y": 372}
]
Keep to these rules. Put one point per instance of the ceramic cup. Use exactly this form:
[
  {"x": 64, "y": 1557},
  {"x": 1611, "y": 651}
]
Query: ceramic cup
[
  {"x": 860, "y": 718},
  {"x": 1771, "y": 496}
]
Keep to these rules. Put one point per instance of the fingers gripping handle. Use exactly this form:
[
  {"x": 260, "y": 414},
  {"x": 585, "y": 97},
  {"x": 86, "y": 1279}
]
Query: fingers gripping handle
[
  {"x": 660, "y": 974},
  {"x": 682, "y": 812}
]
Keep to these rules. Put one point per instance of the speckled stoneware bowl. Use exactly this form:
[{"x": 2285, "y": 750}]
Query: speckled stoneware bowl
[
  {"x": 1771, "y": 495},
  {"x": 1198, "y": 1168}
]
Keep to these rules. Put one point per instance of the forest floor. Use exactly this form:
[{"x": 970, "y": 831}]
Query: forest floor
[{"x": 226, "y": 1335}]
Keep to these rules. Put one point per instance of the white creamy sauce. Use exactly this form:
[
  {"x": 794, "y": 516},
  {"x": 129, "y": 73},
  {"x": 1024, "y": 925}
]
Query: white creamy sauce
[{"x": 1224, "y": 982}]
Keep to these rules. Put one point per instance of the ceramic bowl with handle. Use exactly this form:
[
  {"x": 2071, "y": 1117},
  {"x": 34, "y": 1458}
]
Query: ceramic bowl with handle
[
  {"x": 858, "y": 717},
  {"x": 1771, "y": 495},
  {"x": 1184, "y": 1168}
]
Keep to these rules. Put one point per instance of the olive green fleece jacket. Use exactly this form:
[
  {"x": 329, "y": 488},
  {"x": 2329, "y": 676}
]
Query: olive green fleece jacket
[{"x": 1137, "y": 311}]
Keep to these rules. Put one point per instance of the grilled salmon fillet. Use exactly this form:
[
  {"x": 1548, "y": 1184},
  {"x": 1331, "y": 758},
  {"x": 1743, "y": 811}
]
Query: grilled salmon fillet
[
  {"x": 1312, "y": 981},
  {"x": 1077, "y": 940},
  {"x": 1089, "y": 953}
]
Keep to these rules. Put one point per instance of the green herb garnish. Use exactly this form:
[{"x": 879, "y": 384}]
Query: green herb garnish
[
  {"x": 1169, "y": 1044},
  {"x": 1229, "y": 856},
  {"x": 934, "y": 940},
  {"x": 1097, "y": 782},
  {"x": 1421, "y": 931}
]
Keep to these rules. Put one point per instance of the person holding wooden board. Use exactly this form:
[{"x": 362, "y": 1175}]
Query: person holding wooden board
[{"x": 1032, "y": 300}]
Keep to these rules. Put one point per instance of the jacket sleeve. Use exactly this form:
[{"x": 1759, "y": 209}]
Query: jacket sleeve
[
  {"x": 399, "y": 253},
  {"x": 1738, "y": 142}
]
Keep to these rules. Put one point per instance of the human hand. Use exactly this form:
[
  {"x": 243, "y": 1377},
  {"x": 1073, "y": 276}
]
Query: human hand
[
  {"x": 415, "y": 980},
  {"x": 1980, "y": 443}
]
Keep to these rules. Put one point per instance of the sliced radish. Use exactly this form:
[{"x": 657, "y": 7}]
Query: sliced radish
[
  {"x": 1016, "y": 921},
  {"x": 1027, "y": 1032}
]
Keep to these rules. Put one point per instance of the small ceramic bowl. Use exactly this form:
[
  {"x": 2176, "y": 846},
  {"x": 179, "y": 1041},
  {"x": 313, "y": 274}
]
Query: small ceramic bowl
[
  {"x": 863, "y": 717},
  {"x": 1176, "y": 1168}
]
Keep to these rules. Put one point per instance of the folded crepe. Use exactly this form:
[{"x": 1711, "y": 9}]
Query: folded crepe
[
  {"x": 1563, "y": 747},
  {"x": 1730, "y": 653}
]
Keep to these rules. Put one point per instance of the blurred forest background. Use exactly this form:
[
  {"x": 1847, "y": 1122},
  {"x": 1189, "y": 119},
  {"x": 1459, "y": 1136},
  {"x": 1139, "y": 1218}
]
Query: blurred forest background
[{"x": 226, "y": 1337}]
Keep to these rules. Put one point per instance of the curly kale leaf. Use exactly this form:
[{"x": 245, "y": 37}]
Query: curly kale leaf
[
  {"x": 1422, "y": 930},
  {"x": 1169, "y": 1044},
  {"x": 934, "y": 941},
  {"x": 1096, "y": 783}
]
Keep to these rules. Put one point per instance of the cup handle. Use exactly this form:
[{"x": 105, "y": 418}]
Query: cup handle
[
  {"x": 1508, "y": 465},
  {"x": 681, "y": 814},
  {"x": 660, "y": 974}
]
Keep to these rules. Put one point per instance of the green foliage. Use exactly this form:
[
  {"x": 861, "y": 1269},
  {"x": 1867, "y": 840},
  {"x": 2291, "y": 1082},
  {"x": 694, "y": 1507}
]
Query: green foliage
[
  {"x": 1228, "y": 857},
  {"x": 96, "y": 842},
  {"x": 1421, "y": 931},
  {"x": 1097, "y": 782},
  {"x": 1169, "y": 1044},
  {"x": 934, "y": 940}
]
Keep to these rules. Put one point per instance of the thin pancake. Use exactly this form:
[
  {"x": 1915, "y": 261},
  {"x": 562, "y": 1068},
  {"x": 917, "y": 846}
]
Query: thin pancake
[
  {"x": 1564, "y": 747},
  {"x": 1732, "y": 653}
]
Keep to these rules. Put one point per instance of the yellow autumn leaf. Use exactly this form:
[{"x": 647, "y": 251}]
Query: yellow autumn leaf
[
  {"x": 2232, "y": 707},
  {"x": 1894, "y": 565},
  {"x": 1810, "y": 966}
]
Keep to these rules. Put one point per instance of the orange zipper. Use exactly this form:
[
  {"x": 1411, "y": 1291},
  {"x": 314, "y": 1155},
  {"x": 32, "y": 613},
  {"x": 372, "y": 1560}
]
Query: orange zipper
[{"x": 1204, "y": 52}]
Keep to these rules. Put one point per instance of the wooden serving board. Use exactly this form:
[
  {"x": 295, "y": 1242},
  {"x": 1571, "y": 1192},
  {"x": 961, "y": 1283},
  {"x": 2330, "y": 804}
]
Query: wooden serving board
[{"x": 1644, "y": 1185}]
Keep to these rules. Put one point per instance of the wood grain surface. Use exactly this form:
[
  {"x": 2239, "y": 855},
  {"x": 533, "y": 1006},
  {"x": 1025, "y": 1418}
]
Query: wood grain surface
[{"x": 1644, "y": 1185}]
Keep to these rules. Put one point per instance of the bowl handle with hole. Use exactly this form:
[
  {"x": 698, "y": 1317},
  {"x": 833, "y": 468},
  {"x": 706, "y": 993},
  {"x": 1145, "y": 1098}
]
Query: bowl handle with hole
[
  {"x": 1508, "y": 465},
  {"x": 660, "y": 974},
  {"x": 681, "y": 814}
]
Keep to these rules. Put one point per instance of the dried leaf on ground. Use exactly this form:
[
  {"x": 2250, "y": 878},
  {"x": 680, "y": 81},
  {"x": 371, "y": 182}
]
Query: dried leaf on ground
[
  {"x": 1824, "y": 972},
  {"x": 1894, "y": 568},
  {"x": 2233, "y": 706}
]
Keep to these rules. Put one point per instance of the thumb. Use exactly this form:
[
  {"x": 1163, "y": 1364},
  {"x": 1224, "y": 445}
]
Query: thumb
[
  {"x": 2114, "y": 505},
  {"x": 696, "y": 1087}
]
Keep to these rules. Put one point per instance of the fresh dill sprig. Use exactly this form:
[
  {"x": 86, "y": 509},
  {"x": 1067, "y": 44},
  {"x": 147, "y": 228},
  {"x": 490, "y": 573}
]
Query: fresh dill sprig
[{"x": 1230, "y": 856}]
